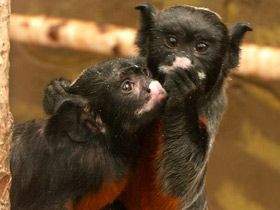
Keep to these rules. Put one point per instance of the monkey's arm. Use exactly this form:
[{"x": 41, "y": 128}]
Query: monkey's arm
[{"x": 185, "y": 146}]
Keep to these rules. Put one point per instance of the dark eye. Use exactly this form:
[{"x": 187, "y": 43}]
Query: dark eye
[
  {"x": 172, "y": 41},
  {"x": 145, "y": 72},
  {"x": 201, "y": 47},
  {"x": 127, "y": 87}
]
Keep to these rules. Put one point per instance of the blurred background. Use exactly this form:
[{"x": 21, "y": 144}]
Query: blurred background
[{"x": 244, "y": 167}]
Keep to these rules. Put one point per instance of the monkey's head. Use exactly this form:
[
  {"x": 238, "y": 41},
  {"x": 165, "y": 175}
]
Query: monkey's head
[
  {"x": 117, "y": 94},
  {"x": 191, "y": 38}
]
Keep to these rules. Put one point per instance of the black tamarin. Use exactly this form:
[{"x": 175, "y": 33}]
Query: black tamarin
[
  {"x": 190, "y": 51},
  {"x": 90, "y": 144}
]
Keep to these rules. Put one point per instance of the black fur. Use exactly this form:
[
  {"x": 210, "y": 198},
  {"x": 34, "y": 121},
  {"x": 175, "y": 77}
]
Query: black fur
[
  {"x": 91, "y": 138},
  {"x": 197, "y": 90}
]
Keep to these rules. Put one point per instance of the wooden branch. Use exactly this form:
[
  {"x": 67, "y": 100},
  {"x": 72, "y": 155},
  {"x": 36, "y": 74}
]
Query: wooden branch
[
  {"x": 261, "y": 61},
  {"x": 80, "y": 35},
  {"x": 256, "y": 60},
  {"x": 5, "y": 115}
]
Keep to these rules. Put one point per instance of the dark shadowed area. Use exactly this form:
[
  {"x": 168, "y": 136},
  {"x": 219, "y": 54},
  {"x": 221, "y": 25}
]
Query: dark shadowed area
[{"x": 244, "y": 168}]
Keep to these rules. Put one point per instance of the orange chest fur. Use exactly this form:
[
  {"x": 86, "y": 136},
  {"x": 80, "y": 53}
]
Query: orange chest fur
[
  {"x": 143, "y": 191},
  {"x": 140, "y": 191},
  {"x": 106, "y": 194}
]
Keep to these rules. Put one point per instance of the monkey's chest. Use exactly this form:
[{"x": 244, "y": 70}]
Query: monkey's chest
[{"x": 144, "y": 192}]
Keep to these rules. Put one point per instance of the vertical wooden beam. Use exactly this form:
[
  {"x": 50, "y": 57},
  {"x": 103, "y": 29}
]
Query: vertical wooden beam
[{"x": 6, "y": 119}]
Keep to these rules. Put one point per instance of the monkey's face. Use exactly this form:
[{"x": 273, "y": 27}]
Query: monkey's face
[
  {"x": 189, "y": 38},
  {"x": 133, "y": 98},
  {"x": 185, "y": 37},
  {"x": 122, "y": 93}
]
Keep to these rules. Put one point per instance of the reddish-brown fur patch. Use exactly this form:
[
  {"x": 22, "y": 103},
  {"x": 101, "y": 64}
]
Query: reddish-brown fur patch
[
  {"x": 107, "y": 193},
  {"x": 143, "y": 191}
]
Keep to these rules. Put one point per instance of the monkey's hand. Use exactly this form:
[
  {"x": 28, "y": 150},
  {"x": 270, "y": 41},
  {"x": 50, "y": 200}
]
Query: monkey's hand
[
  {"x": 183, "y": 86},
  {"x": 55, "y": 93}
]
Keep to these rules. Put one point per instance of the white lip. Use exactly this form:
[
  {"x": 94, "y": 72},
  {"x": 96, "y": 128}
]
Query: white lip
[
  {"x": 180, "y": 62},
  {"x": 157, "y": 94}
]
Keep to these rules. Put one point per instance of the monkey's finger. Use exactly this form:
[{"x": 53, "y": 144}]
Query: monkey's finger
[
  {"x": 189, "y": 75},
  {"x": 185, "y": 84},
  {"x": 175, "y": 86}
]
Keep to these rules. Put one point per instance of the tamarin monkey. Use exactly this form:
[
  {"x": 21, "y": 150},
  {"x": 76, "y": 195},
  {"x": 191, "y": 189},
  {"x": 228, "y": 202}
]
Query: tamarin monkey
[
  {"x": 190, "y": 51},
  {"x": 90, "y": 143}
]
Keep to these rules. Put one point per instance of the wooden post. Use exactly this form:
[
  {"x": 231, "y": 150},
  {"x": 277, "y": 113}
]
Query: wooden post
[{"x": 6, "y": 119}]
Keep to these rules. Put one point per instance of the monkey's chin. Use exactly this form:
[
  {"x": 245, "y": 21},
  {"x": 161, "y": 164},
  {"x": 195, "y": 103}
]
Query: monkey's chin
[{"x": 152, "y": 106}]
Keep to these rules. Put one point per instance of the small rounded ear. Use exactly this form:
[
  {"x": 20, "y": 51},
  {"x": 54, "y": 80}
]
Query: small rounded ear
[
  {"x": 236, "y": 33},
  {"x": 77, "y": 119},
  {"x": 148, "y": 13},
  {"x": 70, "y": 102}
]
